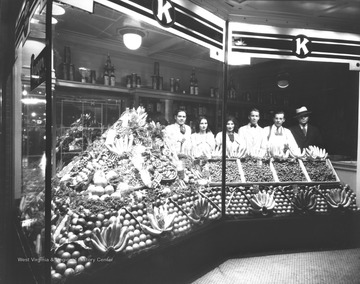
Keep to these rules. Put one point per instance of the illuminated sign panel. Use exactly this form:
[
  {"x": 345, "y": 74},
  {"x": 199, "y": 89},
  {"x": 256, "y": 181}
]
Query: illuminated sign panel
[{"x": 248, "y": 41}]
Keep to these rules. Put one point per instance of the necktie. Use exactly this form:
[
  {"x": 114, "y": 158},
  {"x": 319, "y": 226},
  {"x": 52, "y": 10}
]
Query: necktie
[
  {"x": 277, "y": 132},
  {"x": 182, "y": 129},
  {"x": 304, "y": 130},
  {"x": 252, "y": 125}
]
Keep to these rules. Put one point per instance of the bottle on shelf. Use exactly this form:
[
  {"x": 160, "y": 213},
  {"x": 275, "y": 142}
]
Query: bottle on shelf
[
  {"x": 172, "y": 85},
  {"x": 107, "y": 70},
  {"x": 112, "y": 76},
  {"x": 177, "y": 85},
  {"x": 108, "y": 62},
  {"x": 232, "y": 90},
  {"x": 192, "y": 83},
  {"x": 106, "y": 77},
  {"x": 196, "y": 86}
]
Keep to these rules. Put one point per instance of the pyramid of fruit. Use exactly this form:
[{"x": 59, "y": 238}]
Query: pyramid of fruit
[{"x": 127, "y": 190}]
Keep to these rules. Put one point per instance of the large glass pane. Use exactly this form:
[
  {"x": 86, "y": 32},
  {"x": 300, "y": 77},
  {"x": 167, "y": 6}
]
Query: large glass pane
[
  {"x": 120, "y": 154},
  {"x": 29, "y": 129},
  {"x": 271, "y": 100}
]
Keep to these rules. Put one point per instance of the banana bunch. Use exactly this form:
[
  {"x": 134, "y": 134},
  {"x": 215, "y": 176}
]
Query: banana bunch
[
  {"x": 297, "y": 153},
  {"x": 119, "y": 144},
  {"x": 138, "y": 117},
  {"x": 132, "y": 118},
  {"x": 263, "y": 202},
  {"x": 217, "y": 152},
  {"x": 338, "y": 198},
  {"x": 258, "y": 153},
  {"x": 316, "y": 153},
  {"x": 278, "y": 152},
  {"x": 181, "y": 184},
  {"x": 111, "y": 238},
  {"x": 239, "y": 152},
  {"x": 161, "y": 221},
  {"x": 200, "y": 210},
  {"x": 305, "y": 201}
]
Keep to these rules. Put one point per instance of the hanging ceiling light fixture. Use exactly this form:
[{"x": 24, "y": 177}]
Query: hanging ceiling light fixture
[
  {"x": 283, "y": 80},
  {"x": 132, "y": 37}
]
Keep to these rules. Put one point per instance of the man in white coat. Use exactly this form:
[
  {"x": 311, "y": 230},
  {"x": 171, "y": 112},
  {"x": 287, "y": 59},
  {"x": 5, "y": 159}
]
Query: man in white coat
[
  {"x": 178, "y": 134},
  {"x": 276, "y": 138},
  {"x": 252, "y": 133}
]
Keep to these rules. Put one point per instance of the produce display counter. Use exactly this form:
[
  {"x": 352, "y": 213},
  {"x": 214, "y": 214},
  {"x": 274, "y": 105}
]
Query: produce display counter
[
  {"x": 128, "y": 200},
  {"x": 185, "y": 260}
]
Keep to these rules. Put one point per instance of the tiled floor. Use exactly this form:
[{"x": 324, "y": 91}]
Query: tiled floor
[{"x": 322, "y": 267}]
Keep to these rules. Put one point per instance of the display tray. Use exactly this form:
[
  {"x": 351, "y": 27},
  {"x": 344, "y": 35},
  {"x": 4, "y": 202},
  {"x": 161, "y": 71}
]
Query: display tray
[
  {"x": 289, "y": 171},
  {"x": 233, "y": 174},
  {"x": 321, "y": 171},
  {"x": 273, "y": 172},
  {"x": 257, "y": 171}
]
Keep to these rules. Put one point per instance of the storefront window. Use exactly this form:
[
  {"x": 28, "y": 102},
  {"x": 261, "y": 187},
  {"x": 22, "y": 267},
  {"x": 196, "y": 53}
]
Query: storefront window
[
  {"x": 159, "y": 137},
  {"x": 121, "y": 115}
]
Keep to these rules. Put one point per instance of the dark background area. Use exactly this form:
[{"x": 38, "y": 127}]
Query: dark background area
[
  {"x": 8, "y": 15},
  {"x": 329, "y": 90}
]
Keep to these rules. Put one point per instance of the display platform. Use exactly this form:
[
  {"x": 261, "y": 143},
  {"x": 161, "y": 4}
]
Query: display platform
[{"x": 185, "y": 260}]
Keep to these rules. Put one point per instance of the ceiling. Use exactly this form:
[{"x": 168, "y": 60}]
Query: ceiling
[
  {"x": 104, "y": 24},
  {"x": 339, "y": 15}
]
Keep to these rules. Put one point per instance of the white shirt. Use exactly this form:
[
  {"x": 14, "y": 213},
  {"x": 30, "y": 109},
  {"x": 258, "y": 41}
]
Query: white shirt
[
  {"x": 231, "y": 146},
  {"x": 278, "y": 139},
  {"x": 173, "y": 137},
  {"x": 202, "y": 144},
  {"x": 252, "y": 136}
]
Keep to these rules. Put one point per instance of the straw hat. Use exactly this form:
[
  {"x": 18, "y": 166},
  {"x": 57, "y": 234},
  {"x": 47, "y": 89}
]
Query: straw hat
[{"x": 302, "y": 111}]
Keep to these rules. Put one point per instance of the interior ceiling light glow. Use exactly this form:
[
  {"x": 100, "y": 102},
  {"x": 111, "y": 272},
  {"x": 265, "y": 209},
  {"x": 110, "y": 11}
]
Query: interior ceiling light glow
[
  {"x": 132, "y": 37},
  {"x": 283, "y": 80}
]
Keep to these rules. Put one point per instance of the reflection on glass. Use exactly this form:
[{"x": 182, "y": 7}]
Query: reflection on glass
[
  {"x": 32, "y": 210},
  {"x": 114, "y": 159}
]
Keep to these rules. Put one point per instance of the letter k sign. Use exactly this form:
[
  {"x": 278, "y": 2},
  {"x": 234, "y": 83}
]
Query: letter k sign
[
  {"x": 164, "y": 12},
  {"x": 302, "y": 46}
]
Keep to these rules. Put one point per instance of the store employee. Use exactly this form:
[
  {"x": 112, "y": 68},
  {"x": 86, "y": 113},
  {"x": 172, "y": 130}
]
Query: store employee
[
  {"x": 252, "y": 133},
  {"x": 276, "y": 138},
  {"x": 233, "y": 141},
  {"x": 178, "y": 135}
]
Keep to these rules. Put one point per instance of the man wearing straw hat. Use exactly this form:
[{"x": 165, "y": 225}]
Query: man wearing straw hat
[{"x": 304, "y": 133}]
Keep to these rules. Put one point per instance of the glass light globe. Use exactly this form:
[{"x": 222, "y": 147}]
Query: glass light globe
[
  {"x": 284, "y": 83},
  {"x": 132, "y": 41}
]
